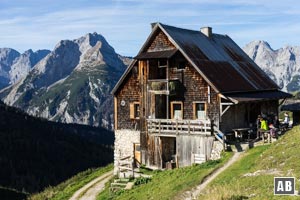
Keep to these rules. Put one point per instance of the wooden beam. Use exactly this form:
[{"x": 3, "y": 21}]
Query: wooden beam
[
  {"x": 116, "y": 112},
  {"x": 223, "y": 111}
]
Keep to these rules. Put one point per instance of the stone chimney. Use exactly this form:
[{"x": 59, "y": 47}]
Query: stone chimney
[{"x": 206, "y": 31}]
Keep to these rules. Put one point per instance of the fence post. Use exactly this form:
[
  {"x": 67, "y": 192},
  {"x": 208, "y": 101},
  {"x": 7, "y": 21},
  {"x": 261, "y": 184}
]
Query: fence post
[
  {"x": 224, "y": 145},
  {"x": 159, "y": 126},
  {"x": 212, "y": 127}
]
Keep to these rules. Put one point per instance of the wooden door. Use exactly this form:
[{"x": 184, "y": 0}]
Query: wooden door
[{"x": 137, "y": 153}]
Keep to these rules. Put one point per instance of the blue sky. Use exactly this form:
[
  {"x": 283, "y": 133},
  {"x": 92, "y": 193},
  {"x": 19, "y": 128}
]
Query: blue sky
[{"x": 41, "y": 24}]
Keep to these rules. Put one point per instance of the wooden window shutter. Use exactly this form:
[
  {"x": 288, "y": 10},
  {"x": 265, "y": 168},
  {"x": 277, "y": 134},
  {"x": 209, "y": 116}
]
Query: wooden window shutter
[
  {"x": 194, "y": 111},
  {"x": 131, "y": 112}
]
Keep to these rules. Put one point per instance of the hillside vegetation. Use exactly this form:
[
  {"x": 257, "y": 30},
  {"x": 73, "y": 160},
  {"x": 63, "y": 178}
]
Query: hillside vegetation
[
  {"x": 36, "y": 153},
  {"x": 168, "y": 184},
  {"x": 253, "y": 176},
  {"x": 66, "y": 189}
]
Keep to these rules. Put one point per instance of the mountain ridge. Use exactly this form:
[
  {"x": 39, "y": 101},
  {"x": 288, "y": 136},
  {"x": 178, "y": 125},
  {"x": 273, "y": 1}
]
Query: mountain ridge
[
  {"x": 14, "y": 65},
  {"x": 282, "y": 65},
  {"x": 72, "y": 83}
]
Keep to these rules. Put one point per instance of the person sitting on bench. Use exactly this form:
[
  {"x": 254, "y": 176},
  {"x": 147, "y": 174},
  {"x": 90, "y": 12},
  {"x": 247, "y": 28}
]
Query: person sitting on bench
[{"x": 286, "y": 121}]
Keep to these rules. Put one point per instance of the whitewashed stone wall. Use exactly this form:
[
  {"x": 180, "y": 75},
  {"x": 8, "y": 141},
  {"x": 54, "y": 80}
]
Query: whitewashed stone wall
[
  {"x": 216, "y": 150},
  {"x": 124, "y": 140}
]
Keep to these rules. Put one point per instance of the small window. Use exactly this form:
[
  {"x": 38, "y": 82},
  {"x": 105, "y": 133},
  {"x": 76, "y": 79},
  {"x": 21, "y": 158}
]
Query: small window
[
  {"x": 134, "y": 110},
  {"x": 199, "y": 110},
  {"x": 176, "y": 110}
]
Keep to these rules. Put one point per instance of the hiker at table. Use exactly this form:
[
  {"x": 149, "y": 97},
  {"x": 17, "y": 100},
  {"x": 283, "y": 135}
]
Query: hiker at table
[
  {"x": 263, "y": 127},
  {"x": 274, "y": 125},
  {"x": 286, "y": 120}
]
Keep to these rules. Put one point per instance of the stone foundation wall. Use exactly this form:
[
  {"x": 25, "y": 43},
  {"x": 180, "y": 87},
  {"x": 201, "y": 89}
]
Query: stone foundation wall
[
  {"x": 124, "y": 145},
  {"x": 216, "y": 150}
]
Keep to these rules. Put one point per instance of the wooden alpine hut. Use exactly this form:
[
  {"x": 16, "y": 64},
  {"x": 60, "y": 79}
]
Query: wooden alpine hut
[{"x": 182, "y": 93}]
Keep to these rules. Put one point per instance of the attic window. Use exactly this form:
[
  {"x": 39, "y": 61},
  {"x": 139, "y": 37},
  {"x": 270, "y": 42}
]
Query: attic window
[{"x": 135, "y": 110}]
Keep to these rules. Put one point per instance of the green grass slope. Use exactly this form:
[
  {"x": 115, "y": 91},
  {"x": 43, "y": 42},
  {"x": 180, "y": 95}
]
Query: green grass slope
[
  {"x": 168, "y": 184},
  {"x": 66, "y": 189},
  {"x": 252, "y": 177}
]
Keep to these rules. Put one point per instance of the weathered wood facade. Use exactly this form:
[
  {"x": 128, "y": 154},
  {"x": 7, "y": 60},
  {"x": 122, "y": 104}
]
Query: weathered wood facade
[
  {"x": 174, "y": 95},
  {"x": 245, "y": 114}
]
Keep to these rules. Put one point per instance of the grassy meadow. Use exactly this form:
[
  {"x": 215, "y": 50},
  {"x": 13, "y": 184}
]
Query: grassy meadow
[
  {"x": 66, "y": 189},
  {"x": 169, "y": 183},
  {"x": 252, "y": 177}
]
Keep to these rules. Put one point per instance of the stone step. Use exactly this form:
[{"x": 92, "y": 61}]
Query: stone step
[
  {"x": 121, "y": 180},
  {"x": 125, "y": 158},
  {"x": 125, "y": 162},
  {"x": 129, "y": 185},
  {"x": 125, "y": 168},
  {"x": 119, "y": 184}
]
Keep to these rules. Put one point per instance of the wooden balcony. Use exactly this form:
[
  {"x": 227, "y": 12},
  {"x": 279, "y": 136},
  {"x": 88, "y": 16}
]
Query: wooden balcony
[
  {"x": 158, "y": 86},
  {"x": 173, "y": 127},
  {"x": 164, "y": 86}
]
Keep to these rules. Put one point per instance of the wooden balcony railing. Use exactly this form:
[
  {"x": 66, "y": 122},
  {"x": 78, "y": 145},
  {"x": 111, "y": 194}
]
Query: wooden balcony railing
[
  {"x": 158, "y": 86},
  {"x": 169, "y": 127}
]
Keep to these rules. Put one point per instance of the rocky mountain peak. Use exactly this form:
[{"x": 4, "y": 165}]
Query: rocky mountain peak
[
  {"x": 24, "y": 63},
  {"x": 89, "y": 40},
  {"x": 97, "y": 51},
  {"x": 7, "y": 56},
  {"x": 14, "y": 66},
  {"x": 282, "y": 65},
  {"x": 93, "y": 38},
  {"x": 71, "y": 84},
  {"x": 28, "y": 52}
]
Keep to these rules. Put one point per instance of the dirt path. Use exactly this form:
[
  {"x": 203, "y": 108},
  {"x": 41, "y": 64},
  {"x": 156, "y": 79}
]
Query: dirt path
[
  {"x": 194, "y": 193},
  {"x": 90, "y": 190}
]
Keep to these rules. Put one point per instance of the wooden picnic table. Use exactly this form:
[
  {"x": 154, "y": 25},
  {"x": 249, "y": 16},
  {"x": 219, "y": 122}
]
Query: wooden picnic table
[{"x": 240, "y": 133}]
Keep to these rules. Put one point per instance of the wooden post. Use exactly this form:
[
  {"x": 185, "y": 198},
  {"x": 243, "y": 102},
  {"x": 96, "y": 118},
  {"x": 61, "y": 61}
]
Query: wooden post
[
  {"x": 212, "y": 127},
  {"x": 167, "y": 97},
  {"x": 159, "y": 126},
  {"x": 224, "y": 146},
  {"x": 176, "y": 126}
]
